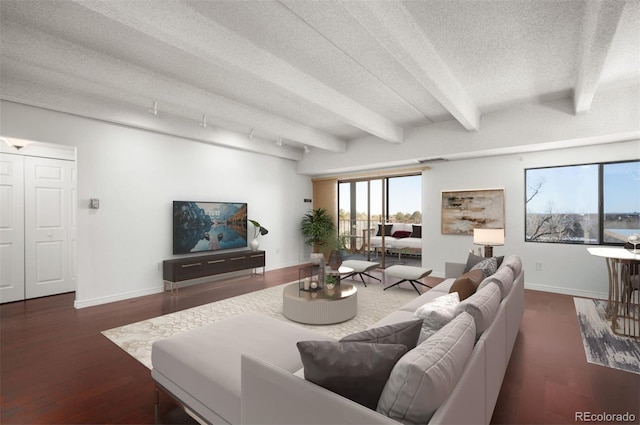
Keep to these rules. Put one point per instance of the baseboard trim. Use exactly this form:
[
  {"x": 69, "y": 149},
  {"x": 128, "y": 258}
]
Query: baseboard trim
[
  {"x": 78, "y": 304},
  {"x": 156, "y": 290},
  {"x": 566, "y": 291}
]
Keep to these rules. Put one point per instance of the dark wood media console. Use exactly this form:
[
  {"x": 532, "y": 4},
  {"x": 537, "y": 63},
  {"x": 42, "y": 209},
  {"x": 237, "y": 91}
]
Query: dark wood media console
[{"x": 180, "y": 269}]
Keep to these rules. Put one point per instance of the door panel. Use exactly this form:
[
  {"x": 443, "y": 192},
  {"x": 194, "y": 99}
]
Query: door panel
[
  {"x": 11, "y": 227},
  {"x": 48, "y": 219}
]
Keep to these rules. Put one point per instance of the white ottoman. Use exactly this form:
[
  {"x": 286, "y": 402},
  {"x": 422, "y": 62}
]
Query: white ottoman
[
  {"x": 361, "y": 268},
  {"x": 409, "y": 274}
]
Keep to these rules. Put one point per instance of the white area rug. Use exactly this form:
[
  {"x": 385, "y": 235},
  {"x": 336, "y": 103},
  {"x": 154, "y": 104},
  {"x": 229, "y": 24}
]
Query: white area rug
[
  {"x": 137, "y": 338},
  {"x": 601, "y": 345}
]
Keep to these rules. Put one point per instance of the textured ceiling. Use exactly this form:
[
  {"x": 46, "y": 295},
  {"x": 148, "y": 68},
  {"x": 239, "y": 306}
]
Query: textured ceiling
[{"x": 310, "y": 73}]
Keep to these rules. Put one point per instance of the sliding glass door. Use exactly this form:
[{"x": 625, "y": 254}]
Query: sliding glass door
[{"x": 365, "y": 204}]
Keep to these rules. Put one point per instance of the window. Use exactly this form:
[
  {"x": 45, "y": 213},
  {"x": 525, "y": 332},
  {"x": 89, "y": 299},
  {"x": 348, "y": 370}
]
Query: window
[
  {"x": 621, "y": 200},
  {"x": 583, "y": 204}
]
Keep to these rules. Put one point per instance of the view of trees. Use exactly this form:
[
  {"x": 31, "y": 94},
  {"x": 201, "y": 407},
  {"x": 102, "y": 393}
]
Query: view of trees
[{"x": 577, "y": 189}]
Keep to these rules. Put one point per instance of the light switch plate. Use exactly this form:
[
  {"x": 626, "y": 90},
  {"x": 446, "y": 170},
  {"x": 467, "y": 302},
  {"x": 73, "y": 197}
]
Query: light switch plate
[{"x": 94, "y": 203}]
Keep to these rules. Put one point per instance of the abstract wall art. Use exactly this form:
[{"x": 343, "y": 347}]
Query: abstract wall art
[{"x": 464, "y": 210}]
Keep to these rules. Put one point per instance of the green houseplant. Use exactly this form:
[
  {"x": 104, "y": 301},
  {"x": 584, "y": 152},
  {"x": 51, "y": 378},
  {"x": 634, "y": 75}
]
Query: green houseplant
[{"x": 318, "y": 229}]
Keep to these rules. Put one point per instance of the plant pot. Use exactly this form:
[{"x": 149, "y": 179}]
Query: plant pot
[
  {"x": 316, "y": 258},
  {"x": 254, "y": 244}
]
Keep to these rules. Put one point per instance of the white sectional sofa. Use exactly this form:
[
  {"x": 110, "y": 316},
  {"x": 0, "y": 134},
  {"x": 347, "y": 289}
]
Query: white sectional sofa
[
  {"x": 407, "y": 236},
  {"x": 247, "y": 370}
]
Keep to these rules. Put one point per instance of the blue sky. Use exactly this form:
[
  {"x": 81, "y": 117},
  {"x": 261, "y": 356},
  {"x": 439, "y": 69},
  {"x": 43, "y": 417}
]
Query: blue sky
[
  {"x": 574, "y": 189},
  {"x": 405, "y": 195}
]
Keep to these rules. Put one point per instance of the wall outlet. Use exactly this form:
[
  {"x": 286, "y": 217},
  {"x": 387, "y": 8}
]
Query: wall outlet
[{"x": 538, "y": 265}]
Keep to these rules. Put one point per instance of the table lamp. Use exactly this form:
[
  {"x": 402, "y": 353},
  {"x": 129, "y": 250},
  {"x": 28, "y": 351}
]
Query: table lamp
[{"x": 489, "y": 238}]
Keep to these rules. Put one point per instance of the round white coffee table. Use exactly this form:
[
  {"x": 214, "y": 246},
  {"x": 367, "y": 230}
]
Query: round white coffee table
[{"x": 323, "y": 307}]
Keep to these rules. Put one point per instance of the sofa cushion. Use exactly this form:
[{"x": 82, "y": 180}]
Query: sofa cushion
[
  {"x": 424, "y": 377},
  {"x": 355, "y": 370},
  {"x": 482, "y": 306},
  {"x": 396, "y": 316},
  {"x": 387, "y": 229},
  {"x": 488, "y": 266},
  {"x": 206, "y": 360},
  {"x": 416, "y": 231},
  {"x": 503, "y": 278},
  {"x": 473, "y": 259},
  {"x": 405, "y": 333},
  {"x": 436, "y": 313},
  {"x": 467, "y": 284},
  {"x": 514, "y": 263}
]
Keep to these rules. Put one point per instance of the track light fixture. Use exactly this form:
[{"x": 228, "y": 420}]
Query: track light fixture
[
  {"x": 306, "y": 149},
  {"x": 154, "y": 110},
  {"x": 203, "y": 123},
  {"x": 250, "y": 135}
]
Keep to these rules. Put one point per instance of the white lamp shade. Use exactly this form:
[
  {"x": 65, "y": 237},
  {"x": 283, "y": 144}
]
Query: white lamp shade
[{"x": 488, "y": 236}]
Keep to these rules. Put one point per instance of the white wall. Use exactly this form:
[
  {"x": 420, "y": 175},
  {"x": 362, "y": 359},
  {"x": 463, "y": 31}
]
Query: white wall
[
  {"x": 136, "y": 175},
  {"x": 567, "y": 269},
  {"x": 614, "y": 116}
]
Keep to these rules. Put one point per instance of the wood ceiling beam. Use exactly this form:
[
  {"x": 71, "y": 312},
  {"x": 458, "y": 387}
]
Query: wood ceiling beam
[
  {"x": 178, "y": 25},
  {"x": 397, "y": 31},
  {"x": 600, "y": 25}
]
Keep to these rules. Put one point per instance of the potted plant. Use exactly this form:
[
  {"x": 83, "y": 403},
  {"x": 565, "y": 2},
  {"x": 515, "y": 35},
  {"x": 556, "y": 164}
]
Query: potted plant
[
  {"x": 258, "y": 230},
  {"x": 318, "y": 229}
]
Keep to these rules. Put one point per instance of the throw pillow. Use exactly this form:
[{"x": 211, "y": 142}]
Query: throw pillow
[
  {"x": 467, "y": 284},
  {"x": 405, "y": 333},
  {"x": 355, "y": 370},
  {"x": 417, "y": 231},
  {"x": 387, "y": 230},
  {"x": 436, "y": 313},
  {"x": 424, "y": 377},
  {"x": 488, "y": 266},
  {"x": 473, "y": 259},
  {"x": 399, "y": 234}
]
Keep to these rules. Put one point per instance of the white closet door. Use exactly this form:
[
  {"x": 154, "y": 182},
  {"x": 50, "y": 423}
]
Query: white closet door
[
  {"x": 48, "y": 212},
  {"x": 11, "y": 227}
]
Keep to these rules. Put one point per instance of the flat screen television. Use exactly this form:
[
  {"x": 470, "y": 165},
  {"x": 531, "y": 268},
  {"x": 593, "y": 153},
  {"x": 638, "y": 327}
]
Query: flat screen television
[{"x": 208, "y": 226}]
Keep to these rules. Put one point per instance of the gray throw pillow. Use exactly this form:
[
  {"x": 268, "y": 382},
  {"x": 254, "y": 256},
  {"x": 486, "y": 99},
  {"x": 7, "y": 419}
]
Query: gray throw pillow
[
  {"x": 473, "y": 259},
  {"x": 488, "y": 266},
  {"x": 355, "y": 370},
  {"x": 405, "y": 333}
]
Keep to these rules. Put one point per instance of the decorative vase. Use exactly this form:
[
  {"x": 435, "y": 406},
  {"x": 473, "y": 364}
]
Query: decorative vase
[
  {"x": 335, "y": 261},
  {"x": 254, "y": 244}
]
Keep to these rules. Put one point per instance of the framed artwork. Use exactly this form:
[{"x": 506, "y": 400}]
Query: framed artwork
[{"x": 464, "y": 210}]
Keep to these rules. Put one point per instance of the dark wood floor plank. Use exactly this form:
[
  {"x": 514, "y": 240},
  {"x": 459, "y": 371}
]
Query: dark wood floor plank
[{"x": 56, "y": 367}]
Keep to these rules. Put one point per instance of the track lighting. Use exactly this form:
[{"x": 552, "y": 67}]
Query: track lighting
[
  {"x": 154, "y": 110},
  {"x": 250, "y": 135},
  {"x": 203, "y": 123},
  {"x": 306, "y": 149}
]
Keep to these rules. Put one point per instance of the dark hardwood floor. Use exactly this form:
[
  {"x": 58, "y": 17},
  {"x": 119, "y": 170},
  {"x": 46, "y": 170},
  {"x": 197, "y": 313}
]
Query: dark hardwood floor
[{"x": 56, "y": 367}]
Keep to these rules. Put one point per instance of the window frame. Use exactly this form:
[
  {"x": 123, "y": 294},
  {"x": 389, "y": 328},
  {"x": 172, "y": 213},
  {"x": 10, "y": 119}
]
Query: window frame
[{"x": 600, "y": 196}]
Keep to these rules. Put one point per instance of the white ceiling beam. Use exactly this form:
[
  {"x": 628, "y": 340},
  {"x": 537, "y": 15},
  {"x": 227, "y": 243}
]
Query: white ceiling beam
[
  {"x": 59, "y": 94},
  {"x": 600, "y": 25},
  {"x": 334, "y": 22},
  {"x": 178, "y": 25},
  {"x": 112, "y": 78},
  {"x": 397, "y": 31}
]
